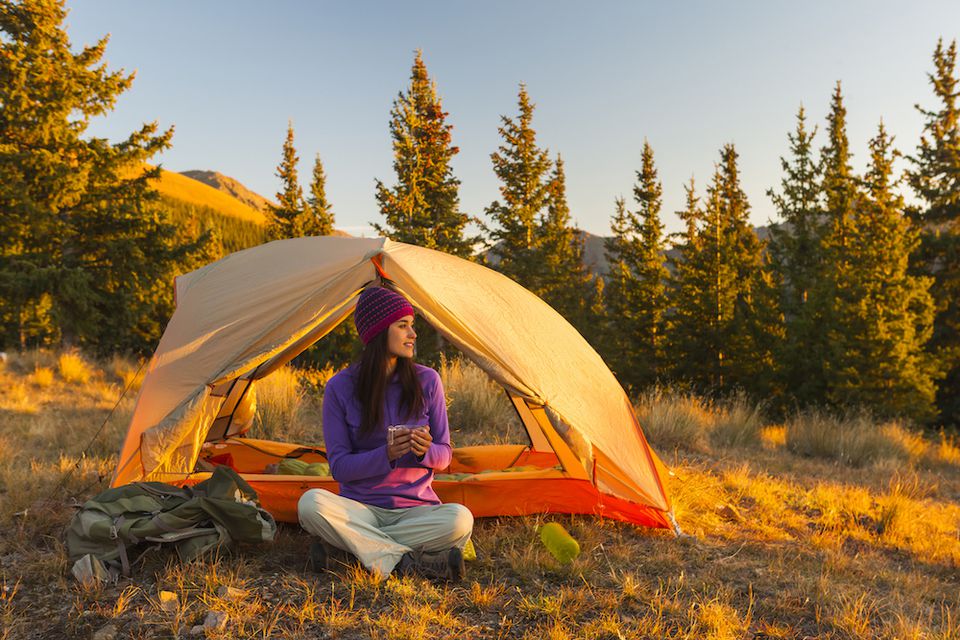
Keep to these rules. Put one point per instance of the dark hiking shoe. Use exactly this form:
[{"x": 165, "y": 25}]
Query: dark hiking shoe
[
  {"x": 457, "y": 567},
  {"x": 407, "y": 565},
  {"x": 319, "y": 559},
  {"x": 437, "y": 565}
]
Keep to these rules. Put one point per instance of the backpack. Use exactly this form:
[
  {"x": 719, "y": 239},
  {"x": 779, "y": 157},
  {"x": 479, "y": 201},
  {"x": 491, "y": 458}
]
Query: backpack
[{"x": 194, "y": 520}]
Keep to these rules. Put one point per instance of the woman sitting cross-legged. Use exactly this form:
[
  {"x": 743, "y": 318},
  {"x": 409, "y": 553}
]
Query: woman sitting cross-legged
[{"x": 385, "y": 429}]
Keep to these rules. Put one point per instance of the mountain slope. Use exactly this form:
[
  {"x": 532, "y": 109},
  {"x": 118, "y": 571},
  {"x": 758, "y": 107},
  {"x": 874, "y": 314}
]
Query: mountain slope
[
  {"x": 230, "y": 186},
  {"x": 196, "y": 193}
]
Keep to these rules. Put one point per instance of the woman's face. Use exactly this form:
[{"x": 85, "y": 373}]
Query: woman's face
[{"x": 401, "y": 338}]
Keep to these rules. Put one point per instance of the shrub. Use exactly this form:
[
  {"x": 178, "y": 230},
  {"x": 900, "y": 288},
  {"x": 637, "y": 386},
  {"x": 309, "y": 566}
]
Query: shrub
[
  {"x": 315, "y": 380},
  {"x": 73, "y": 368}
]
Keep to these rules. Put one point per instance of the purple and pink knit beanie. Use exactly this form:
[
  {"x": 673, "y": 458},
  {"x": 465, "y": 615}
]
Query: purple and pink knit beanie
[{"x": 377, "y": 309}]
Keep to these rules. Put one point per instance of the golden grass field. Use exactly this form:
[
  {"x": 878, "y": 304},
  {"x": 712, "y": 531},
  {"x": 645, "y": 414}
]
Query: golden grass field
[{"x": 815, "y": 528}]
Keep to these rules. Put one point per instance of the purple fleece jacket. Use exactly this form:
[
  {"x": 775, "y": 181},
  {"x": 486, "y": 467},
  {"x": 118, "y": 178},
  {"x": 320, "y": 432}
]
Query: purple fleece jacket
[{"x": 360, "y": 464}]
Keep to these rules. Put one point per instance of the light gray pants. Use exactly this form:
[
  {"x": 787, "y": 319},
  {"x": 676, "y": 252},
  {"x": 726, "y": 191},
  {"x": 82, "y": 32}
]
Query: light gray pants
[{"x": 379, "y": 537}]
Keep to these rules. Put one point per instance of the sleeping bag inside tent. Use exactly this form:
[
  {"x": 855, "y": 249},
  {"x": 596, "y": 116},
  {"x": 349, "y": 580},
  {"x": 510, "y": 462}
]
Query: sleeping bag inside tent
[{"x": 243, "y": 317}]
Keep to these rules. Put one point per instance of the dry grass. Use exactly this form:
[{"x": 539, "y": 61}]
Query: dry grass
[
  {"x": 128, "y": 374},
  {"x": 279, "y": 397},
  {"x": 783, "y": 542},
  {"x": 854, "y": 439},
  {"x": 73, "y": 368},
  {"x": 671, "y": 420},
  {"x": 682, "y": 420},
  {"x": 479, "y": 410},
  {"x": 43, "y": 376}
]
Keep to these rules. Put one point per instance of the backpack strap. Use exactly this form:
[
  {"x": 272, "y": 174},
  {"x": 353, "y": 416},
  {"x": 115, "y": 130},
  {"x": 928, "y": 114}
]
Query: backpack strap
[{"x": 121, "y": 546}]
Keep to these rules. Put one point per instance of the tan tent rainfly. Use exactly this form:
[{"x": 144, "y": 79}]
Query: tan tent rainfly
[{"x": 240, "y": 318}]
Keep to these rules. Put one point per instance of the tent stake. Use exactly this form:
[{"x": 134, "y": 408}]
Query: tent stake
[{"x": 676, "y": 526}]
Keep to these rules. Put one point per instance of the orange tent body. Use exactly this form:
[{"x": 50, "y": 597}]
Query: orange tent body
[
  {"x": 531, "y": 482},
  {"x": 240, "y": 319}
]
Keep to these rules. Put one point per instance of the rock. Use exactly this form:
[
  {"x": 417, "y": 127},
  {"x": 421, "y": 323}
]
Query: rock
[
  {"x": 230, "y": 593},
  {"x": 108, "y": 632},
  {"x": 729, "y": 513},
  {"x": 197, "y": 630},
  {"x": 169, "y": 601},
  {"x": 215, "y": 620}
]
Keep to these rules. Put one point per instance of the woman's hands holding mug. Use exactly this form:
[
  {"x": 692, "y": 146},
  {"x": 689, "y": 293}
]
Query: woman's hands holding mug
[
  {"x": 420, "y": 440},
  {"x": 400, "y": 440}
]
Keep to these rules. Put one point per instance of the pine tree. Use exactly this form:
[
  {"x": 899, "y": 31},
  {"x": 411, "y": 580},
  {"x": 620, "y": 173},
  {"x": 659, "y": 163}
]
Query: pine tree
[
  {"x": 566, "y": 284},
  {"x": 692, "y": 317},
  {"x": 523, "y": 169},
  {"x": 796, "y": 254},
  {"x": 883, "y": 316},
  {"x": 319, "y": 214},
  {"x": 618, "y": 292},
  {"x": 839, "y": 183},
  {"x": 841, "y": 192},
  {"x": 289, "y": 217},
  {"x": 651, "y": 273},
  {"x": 85, "y": 254},
  {"x": 936, "y": 180},
  {"x": 423, "y": 208},
  {"x": 732, "y": 308},
  {"x": 636, "y": 255}
]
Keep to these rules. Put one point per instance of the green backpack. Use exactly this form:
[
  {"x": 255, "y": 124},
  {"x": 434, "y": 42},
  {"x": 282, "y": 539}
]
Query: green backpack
[{"x": 216, "y": 512}]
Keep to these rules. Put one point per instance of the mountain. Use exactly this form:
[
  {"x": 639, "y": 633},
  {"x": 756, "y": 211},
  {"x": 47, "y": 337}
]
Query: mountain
[
  {"x": 594, "y": 253},
  {"x": 231, "y": 187},
  {"x": 193, "y": 192}
]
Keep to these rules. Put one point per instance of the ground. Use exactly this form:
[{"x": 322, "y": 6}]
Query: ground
[{"x": 862, "y": 542}]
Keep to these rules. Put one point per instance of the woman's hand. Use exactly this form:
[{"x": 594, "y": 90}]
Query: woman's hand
[
  {"x": 420, "y": 440},
  {"x": 400, "y": 445}
]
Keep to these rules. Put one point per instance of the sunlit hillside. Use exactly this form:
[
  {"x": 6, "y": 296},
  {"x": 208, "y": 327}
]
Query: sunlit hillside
[
  {"x": 194, "y": 192},
  {"x": 817, "y": 527}
]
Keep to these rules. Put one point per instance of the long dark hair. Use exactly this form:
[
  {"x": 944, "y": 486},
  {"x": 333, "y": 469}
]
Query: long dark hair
[{"x": 372, "y": 384}]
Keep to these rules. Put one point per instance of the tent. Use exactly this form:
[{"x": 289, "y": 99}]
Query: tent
[{"x": 239, "y": 319}]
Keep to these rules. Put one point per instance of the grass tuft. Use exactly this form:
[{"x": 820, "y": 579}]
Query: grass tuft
[
  {"x": 946, "y": 451},
  {"x": 673, "y": 420},
  {"x": 128, "y": 374},
  {"x": 854, "y": 439},
  {"x": 737, "y": 422},
  {"x": 43, "y": 376},
  {"x": 73, "y": 368},
  {"x": 17, "y": 398},
  {"x": 683, "y": 420}
]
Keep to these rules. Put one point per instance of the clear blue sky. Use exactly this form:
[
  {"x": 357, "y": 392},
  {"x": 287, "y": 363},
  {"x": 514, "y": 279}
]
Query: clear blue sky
[{"x": 688, "y": 76}]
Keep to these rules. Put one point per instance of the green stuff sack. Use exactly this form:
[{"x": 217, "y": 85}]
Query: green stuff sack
[
  {"x": 559, "y": 543},
  {"x": 292, "y": 467},
  {"x": 317, "y": 469}
]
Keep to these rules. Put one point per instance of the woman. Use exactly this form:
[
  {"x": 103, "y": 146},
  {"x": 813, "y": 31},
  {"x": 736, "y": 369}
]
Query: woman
[{"x": 385, "y": 429}]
